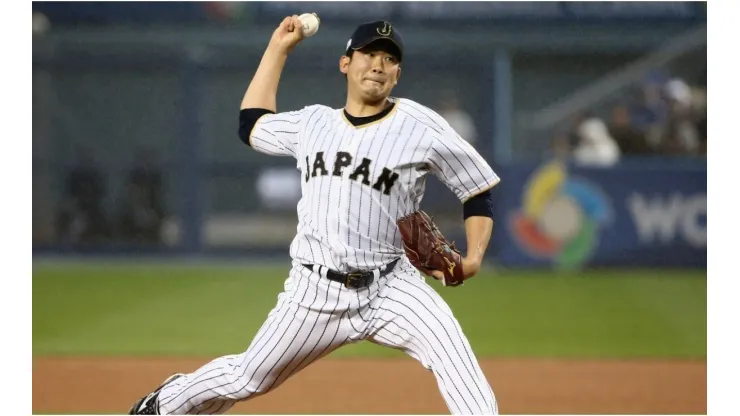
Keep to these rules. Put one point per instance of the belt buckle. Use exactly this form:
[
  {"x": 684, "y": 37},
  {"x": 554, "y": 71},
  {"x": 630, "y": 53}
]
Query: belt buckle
[{"x": 350, "y": 276}]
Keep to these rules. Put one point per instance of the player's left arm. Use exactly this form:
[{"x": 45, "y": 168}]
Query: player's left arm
[
  {"x": 478, "y": 214},
  {"x": 464, "y": 171},
  {"x": 478, "y": 230}
]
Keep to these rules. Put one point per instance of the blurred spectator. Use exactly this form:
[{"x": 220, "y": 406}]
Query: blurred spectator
[
  {"x": 678, "y": 94},
  {"x": 649, "y": 113},
  {"x": 630, "y": 140},
  {"x": 81, "y": 218},
  {"x": 669, "y": 118},
  {"x": 699, "y": 103},
  {"x": 595, "y": 146},
  {"x": 40, "y": 24},
  {"x": 680, "y": 135},
  {"x": 450, "y": 108},
  {"x": 143, "y": 212}
]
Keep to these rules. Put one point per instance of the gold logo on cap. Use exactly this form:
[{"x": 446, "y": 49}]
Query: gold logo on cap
[{"x": 386, "y": 30}]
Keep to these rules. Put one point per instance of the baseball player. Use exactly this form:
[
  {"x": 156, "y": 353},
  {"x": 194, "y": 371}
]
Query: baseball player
[{"x": 363, "y": 170}]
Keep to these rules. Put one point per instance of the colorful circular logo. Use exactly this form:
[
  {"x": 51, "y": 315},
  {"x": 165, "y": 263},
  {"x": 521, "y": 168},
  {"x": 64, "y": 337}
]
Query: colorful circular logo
[{"x": 560, "y": 216}]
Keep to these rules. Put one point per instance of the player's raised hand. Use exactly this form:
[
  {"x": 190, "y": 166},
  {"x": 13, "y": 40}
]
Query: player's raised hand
[{"x": 288, "y": 34}]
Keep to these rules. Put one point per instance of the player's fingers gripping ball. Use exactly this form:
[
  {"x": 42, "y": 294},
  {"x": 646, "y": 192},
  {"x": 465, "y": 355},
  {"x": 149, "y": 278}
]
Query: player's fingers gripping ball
[
  {"x": 428, "y": 249},
  {"x": 309, "y": 23}
]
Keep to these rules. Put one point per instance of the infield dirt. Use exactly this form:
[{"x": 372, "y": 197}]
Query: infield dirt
[{"x": 391, "y": 386}]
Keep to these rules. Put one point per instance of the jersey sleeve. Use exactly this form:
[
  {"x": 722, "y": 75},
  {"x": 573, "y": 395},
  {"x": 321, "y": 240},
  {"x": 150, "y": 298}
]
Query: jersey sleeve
[
  {"x": 459, "y": 166},
  {"x": 277, "y": 134}
]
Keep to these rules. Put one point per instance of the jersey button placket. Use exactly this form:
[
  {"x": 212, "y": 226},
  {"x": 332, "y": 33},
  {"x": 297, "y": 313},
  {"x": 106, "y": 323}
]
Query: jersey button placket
[{"x": 352, "y": 143}]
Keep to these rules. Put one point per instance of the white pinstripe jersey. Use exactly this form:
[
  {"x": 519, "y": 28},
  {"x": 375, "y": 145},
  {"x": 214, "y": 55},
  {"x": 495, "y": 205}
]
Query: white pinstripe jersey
[{"x": 357, "y": 181}]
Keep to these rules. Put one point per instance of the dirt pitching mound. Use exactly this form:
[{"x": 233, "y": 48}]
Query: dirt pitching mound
[{"x": 391, "y": 386}]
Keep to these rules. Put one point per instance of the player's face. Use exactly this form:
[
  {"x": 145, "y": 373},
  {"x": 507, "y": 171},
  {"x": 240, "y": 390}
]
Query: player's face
[{"x": 372, "y": 72}]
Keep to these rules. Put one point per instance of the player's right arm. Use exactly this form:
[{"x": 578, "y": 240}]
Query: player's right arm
[{"x": 259, "y": 125}]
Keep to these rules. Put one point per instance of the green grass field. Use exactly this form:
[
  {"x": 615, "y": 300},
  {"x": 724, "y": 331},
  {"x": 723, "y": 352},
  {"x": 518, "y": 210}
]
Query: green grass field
[{"x": 158, "y": 309}]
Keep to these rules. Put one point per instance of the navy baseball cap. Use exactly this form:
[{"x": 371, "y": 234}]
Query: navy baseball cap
[{"x": 370, "y": 32}]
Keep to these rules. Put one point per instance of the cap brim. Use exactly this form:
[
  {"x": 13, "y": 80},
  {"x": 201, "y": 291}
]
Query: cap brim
[{"x": 377, "y": 38}]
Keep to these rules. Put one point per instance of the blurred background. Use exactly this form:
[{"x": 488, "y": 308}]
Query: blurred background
[
  {"x": 159, "y": 238},
  {"x": 135, "y": 116}
]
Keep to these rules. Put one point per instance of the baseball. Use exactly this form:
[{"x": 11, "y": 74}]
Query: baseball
[{"x": 310, "y": 23}]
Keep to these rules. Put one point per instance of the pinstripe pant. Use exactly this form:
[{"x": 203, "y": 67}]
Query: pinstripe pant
[{"x": 314, "y": 316}]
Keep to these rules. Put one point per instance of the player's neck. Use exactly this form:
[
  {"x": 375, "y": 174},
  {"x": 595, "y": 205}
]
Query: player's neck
[{"x": 358, "y": 108}]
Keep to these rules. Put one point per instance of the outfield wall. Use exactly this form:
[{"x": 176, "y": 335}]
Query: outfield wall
[{"x": 635, "y": 214}]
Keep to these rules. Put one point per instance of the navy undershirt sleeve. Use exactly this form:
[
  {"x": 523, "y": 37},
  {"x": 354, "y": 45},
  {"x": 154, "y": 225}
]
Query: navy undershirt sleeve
[
  {"x": 247, "y": 119},
  {"x": 479, "y": 206}
]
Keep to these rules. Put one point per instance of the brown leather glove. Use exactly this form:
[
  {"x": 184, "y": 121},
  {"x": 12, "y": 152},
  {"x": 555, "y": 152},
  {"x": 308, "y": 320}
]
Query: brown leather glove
[{"x": 428, "y": 249}]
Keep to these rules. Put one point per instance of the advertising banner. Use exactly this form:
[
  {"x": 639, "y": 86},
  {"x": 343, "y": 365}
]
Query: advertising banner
[{"x": 558, "y": 215}]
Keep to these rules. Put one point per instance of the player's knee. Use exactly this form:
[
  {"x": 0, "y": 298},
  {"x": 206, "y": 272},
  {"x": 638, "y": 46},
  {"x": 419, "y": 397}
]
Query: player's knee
[{"x": 250, "y": 385}]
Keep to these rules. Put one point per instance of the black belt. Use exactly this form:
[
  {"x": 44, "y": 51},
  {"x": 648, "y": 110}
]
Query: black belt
[{"x": 358, "y": 279}]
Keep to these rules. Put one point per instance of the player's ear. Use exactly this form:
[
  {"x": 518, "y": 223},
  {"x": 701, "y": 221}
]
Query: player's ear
[
  {"x": 398, "y": 74},
  {"x": 344, "y": 64}
]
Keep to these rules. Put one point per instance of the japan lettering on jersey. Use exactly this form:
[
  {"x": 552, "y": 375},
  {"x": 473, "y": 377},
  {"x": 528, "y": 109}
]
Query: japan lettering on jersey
[{"x": 357, "y": 181}]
